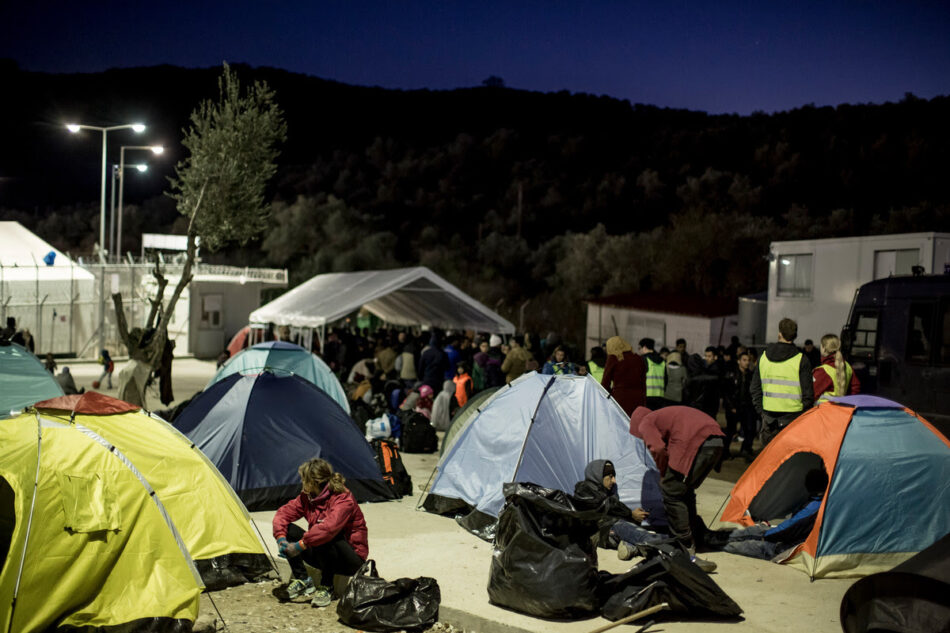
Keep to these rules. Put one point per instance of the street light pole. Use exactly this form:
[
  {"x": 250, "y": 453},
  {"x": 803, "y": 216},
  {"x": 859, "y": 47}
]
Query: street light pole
[
  {"x": 74, "y": 128},
  {"x": 155, "y": 149}
]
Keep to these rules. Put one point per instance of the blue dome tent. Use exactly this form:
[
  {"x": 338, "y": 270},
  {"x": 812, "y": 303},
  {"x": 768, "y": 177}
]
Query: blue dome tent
[
  {"x": 281, "y": 357},
  {"x": 258, "y": 429}
]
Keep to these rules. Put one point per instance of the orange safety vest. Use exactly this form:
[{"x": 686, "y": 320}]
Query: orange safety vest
[{"x": 461, "y": 393}]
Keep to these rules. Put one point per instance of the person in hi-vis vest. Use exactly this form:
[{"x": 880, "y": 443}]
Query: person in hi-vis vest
[
  {"x": 834, "y": 376},
  {"x": 656, "y": 374},
  {"x": 783, "y": 386}
]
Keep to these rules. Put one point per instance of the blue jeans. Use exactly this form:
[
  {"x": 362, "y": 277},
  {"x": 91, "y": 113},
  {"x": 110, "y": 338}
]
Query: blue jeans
[
  {"x": 750, "y": 542},
  {"x": 633, "y": 534}
]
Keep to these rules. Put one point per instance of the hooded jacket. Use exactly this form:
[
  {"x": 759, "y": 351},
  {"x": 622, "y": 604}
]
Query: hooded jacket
[
  {"x": 673, "y": 435},
  {"x": 778, "y": 353},
  {"x": 590, "y": 494},
  {"x": 327, "y": 515},
  {"x": 442, "y": 407}
]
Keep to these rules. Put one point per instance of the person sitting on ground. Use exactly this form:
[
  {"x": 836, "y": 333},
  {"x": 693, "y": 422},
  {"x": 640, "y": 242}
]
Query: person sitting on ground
[
  {"x": 620, "y": 524},
  {"x": 767, "y": 542},
  {"x": 336, "y": 541},
  {"x": 834, "y": 376},
  {"x": 558, "y": 364},
  {"x": 66, "y": 382}
]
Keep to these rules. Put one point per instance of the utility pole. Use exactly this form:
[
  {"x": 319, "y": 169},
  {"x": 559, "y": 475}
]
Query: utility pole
[{"x": 520, "y": 197}]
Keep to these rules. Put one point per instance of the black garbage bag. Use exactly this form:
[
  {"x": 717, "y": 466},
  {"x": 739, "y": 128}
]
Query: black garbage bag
[
  {"x": 666, "y": 575},
  {"x": 544, "y": 561},
  {"x": 371, "y": 603}
]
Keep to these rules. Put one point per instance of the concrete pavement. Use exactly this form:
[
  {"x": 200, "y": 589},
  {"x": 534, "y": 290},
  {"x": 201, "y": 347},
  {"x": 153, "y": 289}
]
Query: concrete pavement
[{"x": 408, "y": 542}]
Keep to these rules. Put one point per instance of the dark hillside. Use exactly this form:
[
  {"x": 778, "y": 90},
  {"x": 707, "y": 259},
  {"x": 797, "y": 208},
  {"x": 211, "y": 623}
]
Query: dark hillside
[{"x": 613, "y": 197}]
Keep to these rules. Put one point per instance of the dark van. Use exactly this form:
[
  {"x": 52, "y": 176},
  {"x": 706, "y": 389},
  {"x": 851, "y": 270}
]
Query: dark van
[{"x": 898, "y": 340}]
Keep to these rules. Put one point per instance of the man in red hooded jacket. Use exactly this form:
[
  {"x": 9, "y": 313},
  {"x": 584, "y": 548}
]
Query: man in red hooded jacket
[{"x": 685, "y": 444}]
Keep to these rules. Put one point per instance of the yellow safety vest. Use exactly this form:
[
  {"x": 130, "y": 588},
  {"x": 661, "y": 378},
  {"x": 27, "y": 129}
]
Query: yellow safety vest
[
  {"x": 781, "y": 388},
  {"x": 595, "y": 370},
  {"x": 833, "y": 374},
  {"x": 656, "y": 373}
]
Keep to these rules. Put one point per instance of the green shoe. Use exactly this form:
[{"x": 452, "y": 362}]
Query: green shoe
[
  {"x": 300, "y": 589},
  {"x": 321, "y": 597}
]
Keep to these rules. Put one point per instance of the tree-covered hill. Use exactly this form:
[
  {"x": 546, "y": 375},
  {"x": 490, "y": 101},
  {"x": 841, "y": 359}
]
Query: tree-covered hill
[{"x": 514, "y": 195}]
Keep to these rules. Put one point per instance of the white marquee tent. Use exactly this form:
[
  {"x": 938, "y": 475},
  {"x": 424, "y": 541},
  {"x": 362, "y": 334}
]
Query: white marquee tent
[
  {"x": 44, "y": 290},
  {"x": 403, "y": 296}
]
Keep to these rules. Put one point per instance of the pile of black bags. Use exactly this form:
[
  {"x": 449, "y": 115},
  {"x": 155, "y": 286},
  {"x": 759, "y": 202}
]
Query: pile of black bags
[{"x": 545, "y": 564}]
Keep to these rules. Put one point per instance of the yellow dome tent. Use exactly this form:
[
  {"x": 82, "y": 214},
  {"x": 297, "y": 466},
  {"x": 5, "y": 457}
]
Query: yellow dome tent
[{"x": 104, "y": 512}]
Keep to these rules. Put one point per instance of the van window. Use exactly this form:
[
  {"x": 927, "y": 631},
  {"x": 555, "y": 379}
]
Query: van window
[
  {"x": 864, "y": 336},
  {"x": 920, "y": 333}
]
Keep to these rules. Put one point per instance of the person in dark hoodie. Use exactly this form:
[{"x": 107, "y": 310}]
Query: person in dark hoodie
[
  {"x": 783, "y": 386},
  {"x": 656, "y": 374},
  {"x": 433, "y": 364},
  {"x": 598, "y": 491}
]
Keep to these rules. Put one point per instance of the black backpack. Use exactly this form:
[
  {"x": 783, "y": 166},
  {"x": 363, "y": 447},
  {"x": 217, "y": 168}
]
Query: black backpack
[
  {"x": 418, "y": 435},
  {"x": 391, "y": 466}
]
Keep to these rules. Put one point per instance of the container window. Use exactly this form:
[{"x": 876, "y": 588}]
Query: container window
[{"x": 794, "y": 275}]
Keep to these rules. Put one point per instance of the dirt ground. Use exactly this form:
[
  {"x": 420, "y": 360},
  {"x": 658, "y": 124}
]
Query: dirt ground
[{"x": 250, "y": 608}]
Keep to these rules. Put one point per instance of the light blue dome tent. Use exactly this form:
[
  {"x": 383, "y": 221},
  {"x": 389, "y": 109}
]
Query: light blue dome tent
[
  {"x": 544, "y": 430},
  {"x": 283, "y": 358}
]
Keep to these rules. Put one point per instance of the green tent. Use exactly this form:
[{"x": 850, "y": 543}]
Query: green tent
[
  {"x": 465, "y": 415},
  {"x": 23, "y": 380}
]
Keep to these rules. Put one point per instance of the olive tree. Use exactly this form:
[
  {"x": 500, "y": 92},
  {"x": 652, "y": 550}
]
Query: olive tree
[{"x": 232, "y": 143}]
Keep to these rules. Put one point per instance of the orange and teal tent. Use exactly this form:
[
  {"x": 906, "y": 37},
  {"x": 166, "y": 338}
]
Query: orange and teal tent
[{"x": 888, "y": 495}]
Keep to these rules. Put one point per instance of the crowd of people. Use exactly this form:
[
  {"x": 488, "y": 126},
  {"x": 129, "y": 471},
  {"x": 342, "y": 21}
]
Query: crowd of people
[{"x": 436, "y": 372}]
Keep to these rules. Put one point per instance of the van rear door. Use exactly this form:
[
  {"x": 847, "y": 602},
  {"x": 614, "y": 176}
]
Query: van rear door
[{"x": 919, "y": 380}]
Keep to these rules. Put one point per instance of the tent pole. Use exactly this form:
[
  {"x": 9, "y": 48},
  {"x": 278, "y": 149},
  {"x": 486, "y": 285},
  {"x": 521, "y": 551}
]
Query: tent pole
[
  {"x": 530, "y": 424},
  {"x": 29, "y": 522}
]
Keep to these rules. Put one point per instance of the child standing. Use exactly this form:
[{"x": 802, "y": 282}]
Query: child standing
[{"x": 107, "y": 366}]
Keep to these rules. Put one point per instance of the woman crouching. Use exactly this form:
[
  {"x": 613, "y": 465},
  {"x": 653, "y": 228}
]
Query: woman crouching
[{"x": 335, "y": 542}]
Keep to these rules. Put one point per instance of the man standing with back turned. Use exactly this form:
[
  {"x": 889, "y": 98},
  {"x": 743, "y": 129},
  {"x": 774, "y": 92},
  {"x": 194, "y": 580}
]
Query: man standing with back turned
[{"x": 782, "y": 386}]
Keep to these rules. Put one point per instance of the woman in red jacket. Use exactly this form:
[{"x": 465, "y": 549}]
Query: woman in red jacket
[
  {"x": 834, "y": 377},
  {"x": 336, "y": 541},
  {"x": 625, "y": 375}
]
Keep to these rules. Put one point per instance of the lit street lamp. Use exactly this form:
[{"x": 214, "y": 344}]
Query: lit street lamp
[
  {"x": 74, "y": 128},
  {"x": 155, "y": 149},
  {"x": 142, "y": 167}
]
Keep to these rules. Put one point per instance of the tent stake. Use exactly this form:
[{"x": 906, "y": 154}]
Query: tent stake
[{"x": 635, "y": 616}]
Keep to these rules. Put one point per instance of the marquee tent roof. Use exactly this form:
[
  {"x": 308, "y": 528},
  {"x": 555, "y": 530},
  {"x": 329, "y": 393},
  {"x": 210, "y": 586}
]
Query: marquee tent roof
[
  {"x": 403, "y": 296},
  {"x": 22, "y": 253}
]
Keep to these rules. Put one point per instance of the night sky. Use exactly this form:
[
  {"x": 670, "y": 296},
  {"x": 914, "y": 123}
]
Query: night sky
[{"x": 715, "y": 56}]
